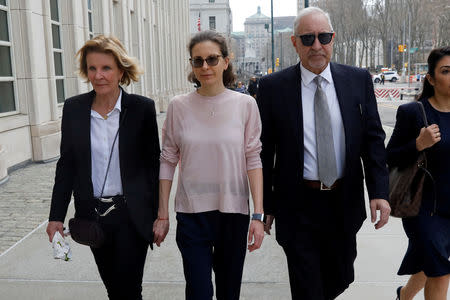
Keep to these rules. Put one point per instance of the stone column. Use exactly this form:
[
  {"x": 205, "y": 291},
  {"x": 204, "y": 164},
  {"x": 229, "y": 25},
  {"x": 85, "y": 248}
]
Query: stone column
[{"x": 3, "y": 166}]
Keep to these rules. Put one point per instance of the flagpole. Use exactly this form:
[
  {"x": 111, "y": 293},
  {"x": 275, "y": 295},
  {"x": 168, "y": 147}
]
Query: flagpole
[{"x": 273, "y": 54}]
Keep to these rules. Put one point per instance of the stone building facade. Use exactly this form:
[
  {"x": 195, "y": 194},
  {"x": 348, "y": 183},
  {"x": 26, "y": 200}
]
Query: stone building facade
[{"x": 38, "y": 42}]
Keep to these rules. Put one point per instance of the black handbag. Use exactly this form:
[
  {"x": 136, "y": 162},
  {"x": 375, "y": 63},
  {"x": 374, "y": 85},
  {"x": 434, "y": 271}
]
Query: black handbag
[
  {"x": 406, "y": 183},
  {"x": 86, "y": 232},
  {"x": 89, "y": 232}
]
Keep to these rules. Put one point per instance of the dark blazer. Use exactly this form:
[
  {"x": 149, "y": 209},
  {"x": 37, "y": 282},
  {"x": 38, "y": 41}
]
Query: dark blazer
[
  {"x": 280, "y": 104},
  {"x": 139, "y": 161},
  {"x": 401, "y": 149}
]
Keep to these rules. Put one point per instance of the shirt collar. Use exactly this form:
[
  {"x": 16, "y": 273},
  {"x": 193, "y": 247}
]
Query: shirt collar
[
  {"x": 117, "y": 107},
  {"x": 119, "y": 102},
  {"x": 308, "y": 76}
]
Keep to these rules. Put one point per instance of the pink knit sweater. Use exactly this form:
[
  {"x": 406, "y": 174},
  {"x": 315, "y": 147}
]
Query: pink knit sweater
[{"x": 216, "y": 141}]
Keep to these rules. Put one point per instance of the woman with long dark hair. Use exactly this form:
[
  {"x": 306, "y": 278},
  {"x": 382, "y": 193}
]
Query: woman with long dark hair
[{"x": 427, "y": 257}]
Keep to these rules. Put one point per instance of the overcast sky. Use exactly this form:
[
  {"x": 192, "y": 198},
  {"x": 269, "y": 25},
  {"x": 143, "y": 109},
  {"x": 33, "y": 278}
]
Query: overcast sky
[{"x": 242, "y": 9}]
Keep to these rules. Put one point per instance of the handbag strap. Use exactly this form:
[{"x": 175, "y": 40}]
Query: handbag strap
[
  {"x": 424, "y": 168},
  {"x": 112, "y": 150},
  {"x": 424, "y": 115}
]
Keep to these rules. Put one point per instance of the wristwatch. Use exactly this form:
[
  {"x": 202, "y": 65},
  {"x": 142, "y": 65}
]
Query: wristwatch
[{"x": 259, "y": 217}]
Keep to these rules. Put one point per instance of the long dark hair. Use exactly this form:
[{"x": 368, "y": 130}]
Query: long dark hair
[
  {"x": 212, "y": 36},
  {"x": 433, "y": 59}
]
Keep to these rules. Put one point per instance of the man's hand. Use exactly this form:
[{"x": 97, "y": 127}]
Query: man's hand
[
  {"x": 160, "y": 230},
  {"x": 384, "y": 208},
  {"x": 268, "y": 225},
  {"x": 54, "y": 226},
  {"x": 255, "y": 235}
]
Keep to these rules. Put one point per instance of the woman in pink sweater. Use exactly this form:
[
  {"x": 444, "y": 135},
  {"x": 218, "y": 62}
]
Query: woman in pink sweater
[{"x": 213, "y": 134}]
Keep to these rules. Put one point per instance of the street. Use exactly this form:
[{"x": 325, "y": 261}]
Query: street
[{"x": 387, "y": 107}]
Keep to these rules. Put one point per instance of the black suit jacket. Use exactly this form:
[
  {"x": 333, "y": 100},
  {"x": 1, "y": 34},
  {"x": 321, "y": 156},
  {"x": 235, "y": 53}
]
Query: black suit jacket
[
  {"x": 139, "y": 161},
  {"x": 280, "y": 104},
  {"x": 402, "y": 152},
  {"x": 401, "y": 149}
]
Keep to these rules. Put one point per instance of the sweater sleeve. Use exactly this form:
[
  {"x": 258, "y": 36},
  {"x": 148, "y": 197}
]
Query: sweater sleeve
[
  {"x": 252, "y": 136},
  {"x": 170, "y": 154}
]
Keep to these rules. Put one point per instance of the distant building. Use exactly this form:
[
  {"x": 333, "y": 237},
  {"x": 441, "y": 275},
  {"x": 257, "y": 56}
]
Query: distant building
[
  {"x": 257, "y": 30},
  {"x": 284, "y": 50},
  {"x": 300, "y": 5},
  {"x": 238, "y": 40},
  {"x": 281, "y": 23},
  {"x": 252, "y": 49},
  {"x": 210, "y": 15}
]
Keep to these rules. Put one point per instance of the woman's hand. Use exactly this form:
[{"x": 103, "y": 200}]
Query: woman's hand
[
  {"x": 54, "y": 226},
  {"x": 255, "y": 235},
  {"x": 160, "y": 230},
  {"x": 428, "y": 137}
]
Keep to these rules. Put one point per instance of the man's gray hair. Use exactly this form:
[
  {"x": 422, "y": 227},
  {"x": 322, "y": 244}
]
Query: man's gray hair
[{"x": 308, "y": 11}]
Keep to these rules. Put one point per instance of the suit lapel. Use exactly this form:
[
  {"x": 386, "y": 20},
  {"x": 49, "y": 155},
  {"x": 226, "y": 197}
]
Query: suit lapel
[
  {"x": 342, "y": 85},
  {"x": 85, "y": 134},
  {"x": 122, "y": 129},
  {"x": 294, "y": 106}
]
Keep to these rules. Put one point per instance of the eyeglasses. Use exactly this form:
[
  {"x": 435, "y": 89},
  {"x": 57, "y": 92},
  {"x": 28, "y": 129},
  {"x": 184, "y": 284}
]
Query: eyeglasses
[
  {"x": 212, "y": 60},
  {"x": 308, "y": 39}
]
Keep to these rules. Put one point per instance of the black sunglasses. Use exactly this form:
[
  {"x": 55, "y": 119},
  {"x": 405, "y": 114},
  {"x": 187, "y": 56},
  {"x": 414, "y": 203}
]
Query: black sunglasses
[
  {"x": 308, "y": 39},
  {"x": 212, "y": 60}
]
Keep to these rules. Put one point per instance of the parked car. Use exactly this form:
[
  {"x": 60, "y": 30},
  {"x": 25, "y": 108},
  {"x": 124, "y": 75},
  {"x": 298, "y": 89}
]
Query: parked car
[{"x": 388, "y": 76}]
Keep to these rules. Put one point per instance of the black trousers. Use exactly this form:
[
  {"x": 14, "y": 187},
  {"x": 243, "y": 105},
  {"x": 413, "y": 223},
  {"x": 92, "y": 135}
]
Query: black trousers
[
  {"x": 212, "y": 241},
  {"x": 319, "y": 253},
  {"x": 121, "y": 260}
]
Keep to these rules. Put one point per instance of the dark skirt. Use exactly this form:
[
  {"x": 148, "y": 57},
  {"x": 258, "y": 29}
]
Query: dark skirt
[{"x": 429, "y": 245}]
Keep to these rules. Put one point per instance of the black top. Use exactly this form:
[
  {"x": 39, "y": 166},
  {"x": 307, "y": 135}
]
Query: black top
[{"x": 439, "y": 161}]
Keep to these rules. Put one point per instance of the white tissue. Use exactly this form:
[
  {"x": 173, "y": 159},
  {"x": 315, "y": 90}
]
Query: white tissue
[{"x": 61, "y": 248}]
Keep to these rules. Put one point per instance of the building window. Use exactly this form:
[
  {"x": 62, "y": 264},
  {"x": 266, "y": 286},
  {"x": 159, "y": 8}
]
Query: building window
[
  {"x": 57, "y": 50},
  {"x": 118, "y": 15},
  {"x": 7, "y": 98},
  {"x": 212, "y": 23},
  {"x": 91, "y": 31},
  {"x": 212, "y": 1}
]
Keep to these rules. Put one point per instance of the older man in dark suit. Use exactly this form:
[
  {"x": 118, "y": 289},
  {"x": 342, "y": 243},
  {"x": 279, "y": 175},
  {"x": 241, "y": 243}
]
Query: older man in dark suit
[{"x": 320, "y": 123}]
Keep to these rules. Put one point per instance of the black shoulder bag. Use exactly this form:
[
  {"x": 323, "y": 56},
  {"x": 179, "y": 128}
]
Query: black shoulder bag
[{"x": 406, "y": 183}]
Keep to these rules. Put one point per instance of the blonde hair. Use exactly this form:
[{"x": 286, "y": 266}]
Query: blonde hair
[{"x": 109, "y": 44}]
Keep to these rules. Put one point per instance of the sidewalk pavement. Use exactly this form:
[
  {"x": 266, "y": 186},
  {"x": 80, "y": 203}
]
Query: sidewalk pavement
[{"x": 28, "y": 270}]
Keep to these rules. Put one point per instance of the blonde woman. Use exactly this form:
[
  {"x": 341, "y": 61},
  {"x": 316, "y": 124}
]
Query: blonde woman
[{"x": 110, "y": 161}]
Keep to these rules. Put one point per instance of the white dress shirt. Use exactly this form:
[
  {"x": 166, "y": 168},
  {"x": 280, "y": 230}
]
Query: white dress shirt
[
  {"x": 310, "y": 169},
  {"x": 103, "y": 132}
]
